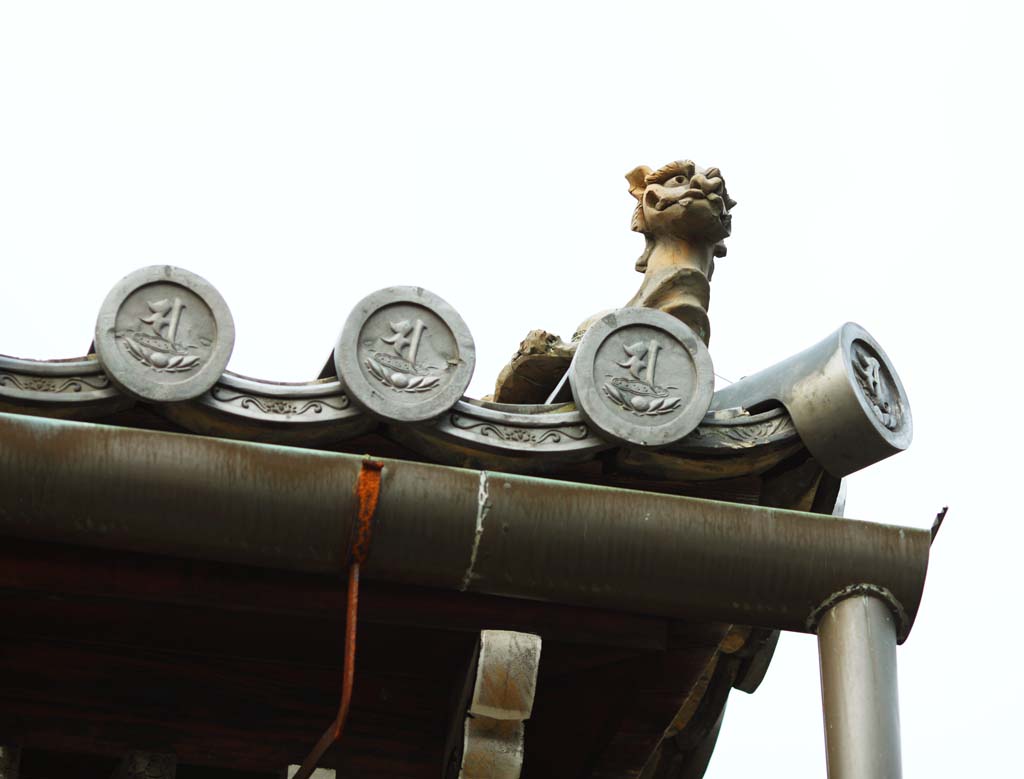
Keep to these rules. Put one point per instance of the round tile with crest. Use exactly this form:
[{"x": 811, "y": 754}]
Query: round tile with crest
[
  {"x": 405, "y": 355},
  {"x": 641, "y": 377},
  {"x": 164, "y": 334},
  {"x": 881, "y": 390}
]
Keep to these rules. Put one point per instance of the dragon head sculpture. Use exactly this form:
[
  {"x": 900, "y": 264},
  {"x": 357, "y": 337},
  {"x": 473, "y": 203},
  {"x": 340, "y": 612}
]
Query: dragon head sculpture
[{"x": 680, "y": 201}]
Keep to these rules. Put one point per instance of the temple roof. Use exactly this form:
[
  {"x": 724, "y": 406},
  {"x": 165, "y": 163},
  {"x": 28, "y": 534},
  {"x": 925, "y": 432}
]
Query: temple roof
[
  {"x": 234, "y": 548},
  {"x": 783, "y": 438}
]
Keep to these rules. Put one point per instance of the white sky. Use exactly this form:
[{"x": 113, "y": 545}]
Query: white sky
[{"x": 300, "y": 156}]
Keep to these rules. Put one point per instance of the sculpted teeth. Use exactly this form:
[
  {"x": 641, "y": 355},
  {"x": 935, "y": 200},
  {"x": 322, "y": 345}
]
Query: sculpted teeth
[{"x": 685, "y": 199}]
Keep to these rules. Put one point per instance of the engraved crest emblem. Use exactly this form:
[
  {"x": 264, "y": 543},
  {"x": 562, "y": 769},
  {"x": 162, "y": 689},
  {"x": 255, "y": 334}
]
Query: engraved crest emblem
[
  {"x": 642, "y": 377},
  {"x": 877, "y": 387},
  {"x": 398, "y": 368},
  {"x": 157, "y": 346},
  {"x": 405, "y": 355},
  {"x": 638, "y": 393},
  {"x": 164, "y": 334}
]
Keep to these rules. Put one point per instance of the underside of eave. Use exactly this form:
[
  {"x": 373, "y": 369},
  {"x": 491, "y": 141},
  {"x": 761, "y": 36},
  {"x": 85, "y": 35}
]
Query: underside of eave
[{"x": 667, "y": 722}]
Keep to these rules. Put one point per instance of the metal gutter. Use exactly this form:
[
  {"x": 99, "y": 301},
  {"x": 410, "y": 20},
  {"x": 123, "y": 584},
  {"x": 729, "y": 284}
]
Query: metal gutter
[{"x": 437, "y": 526}]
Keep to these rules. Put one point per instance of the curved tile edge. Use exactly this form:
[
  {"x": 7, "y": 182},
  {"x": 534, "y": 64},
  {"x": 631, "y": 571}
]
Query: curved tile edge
[
  {"x": 320, "y": 413},
  {"x": 76, "y": 389}
]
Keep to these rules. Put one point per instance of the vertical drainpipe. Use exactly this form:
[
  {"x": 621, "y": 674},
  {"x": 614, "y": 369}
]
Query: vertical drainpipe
[{"x": 857, "y": 635}]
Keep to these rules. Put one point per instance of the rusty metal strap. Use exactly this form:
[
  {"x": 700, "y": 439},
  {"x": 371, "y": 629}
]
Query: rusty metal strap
[{"x": 367, "y": 495}]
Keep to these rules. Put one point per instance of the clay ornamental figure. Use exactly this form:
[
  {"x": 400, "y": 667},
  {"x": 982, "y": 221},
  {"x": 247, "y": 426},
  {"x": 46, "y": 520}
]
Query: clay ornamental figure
[{"x": 684, "y": 214}]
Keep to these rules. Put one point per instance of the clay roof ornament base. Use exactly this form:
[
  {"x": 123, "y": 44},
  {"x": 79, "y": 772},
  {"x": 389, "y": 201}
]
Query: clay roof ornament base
[{"x": 684, "y": 214}]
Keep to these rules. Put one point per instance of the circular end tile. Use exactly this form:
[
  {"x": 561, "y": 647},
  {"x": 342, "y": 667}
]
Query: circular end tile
[
  {"x": 164, "y": 334},
  {"x": 878, "y": 387},
  {"x": 405, "y": 355},
  {"x": 641, "y": 377}
]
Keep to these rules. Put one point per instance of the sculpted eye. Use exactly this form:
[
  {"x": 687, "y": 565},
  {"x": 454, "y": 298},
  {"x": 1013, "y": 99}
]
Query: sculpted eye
[{"x": 679, "y": 179}]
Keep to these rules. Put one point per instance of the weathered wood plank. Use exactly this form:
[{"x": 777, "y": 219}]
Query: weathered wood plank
[
  {"x": 105, "y": 653},
  {"x": 215, "y": 711}
]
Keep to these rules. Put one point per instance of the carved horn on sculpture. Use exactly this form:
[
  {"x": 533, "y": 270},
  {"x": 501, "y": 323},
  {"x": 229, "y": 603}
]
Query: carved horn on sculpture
[
  {"x": 637, "y": 178},
  {"x": 637, "y": 184}
]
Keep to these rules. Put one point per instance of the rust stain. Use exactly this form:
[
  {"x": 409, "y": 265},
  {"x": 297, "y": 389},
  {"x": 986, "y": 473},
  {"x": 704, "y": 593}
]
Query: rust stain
[{"x": 367, "y": 495}]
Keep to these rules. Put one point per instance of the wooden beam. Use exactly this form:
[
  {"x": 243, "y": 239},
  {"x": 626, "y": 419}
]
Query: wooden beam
[
  {"x": 10, "y": 758},
  {"x": 146, "y": 765},
  {"x": 318, "y": 773},
  {"x": 457, "y": 722},
  {"x": 502, "y": 700}
]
